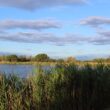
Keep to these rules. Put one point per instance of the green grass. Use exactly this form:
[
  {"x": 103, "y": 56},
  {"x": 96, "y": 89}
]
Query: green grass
[{"x": 65, "y": 87}]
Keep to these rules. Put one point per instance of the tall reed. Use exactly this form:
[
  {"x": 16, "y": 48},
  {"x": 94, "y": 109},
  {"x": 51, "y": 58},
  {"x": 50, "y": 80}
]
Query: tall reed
[{"x": 65, "y": 87}]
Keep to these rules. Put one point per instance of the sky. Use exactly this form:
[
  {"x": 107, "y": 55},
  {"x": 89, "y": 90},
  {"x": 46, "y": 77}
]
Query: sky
[{"x": 59, "y": 28}]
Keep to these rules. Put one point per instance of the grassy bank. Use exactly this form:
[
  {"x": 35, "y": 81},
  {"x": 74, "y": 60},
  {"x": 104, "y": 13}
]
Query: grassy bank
[
  {"x": 81, "y": 63},
  {"x": 28, "y": 63},
  {"x": 65, "y": 87}
]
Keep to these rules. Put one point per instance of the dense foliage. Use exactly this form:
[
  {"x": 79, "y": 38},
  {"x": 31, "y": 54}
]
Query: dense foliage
[
  {"x": 41, "y": 57},
  {"x": 38, "y": 58},
  {"x": 65, "y": 87},
  {"x": 15, "y": 58}
]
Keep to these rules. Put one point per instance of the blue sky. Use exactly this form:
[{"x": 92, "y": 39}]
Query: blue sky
[{"x": 60, "y": 28}]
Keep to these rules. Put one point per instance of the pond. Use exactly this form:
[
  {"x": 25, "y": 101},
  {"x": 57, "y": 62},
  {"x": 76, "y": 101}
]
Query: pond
[{"x": 19, "y": 70}]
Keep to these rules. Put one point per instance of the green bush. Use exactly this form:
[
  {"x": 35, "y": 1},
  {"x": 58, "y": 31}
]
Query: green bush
[{"x": 41, "y": 57}]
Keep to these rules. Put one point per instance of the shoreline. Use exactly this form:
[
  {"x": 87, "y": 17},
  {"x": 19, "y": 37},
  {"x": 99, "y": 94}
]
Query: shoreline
[
  {"x": 53, "y": 63},
  {"x": 28, "y": 63}
]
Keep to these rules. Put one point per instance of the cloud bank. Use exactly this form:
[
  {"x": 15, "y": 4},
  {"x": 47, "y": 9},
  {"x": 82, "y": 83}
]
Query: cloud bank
[
  {"x": 49, "y": 38},
  {"x": 29, "y": 24},
  {"x": 102, "y": 36},
  {"x": 39, "y": 37},
  {"x": 36, "y": 4},
  {"x": 95, "y": 21},
  {"x": 33, "y": 36}
]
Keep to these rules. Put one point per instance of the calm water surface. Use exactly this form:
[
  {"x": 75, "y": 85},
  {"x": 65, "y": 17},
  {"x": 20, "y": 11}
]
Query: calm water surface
[{"x": 20, "y": 70}]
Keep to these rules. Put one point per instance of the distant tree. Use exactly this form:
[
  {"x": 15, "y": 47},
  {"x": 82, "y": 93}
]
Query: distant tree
[
  {"x": 42, "y": 57},
  {"x": 70, "y": 60},
  {"x": 11, "y": 58},
  {"x": 24, "y": 58}
]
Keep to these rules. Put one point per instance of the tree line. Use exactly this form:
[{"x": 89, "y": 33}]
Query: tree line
[
  {"x": 16, "y": 58},
  {"x": 42, "y": 57},
  {"x": 38, "y": 58}
]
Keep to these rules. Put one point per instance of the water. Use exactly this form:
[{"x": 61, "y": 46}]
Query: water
[{"x": 19, "y": 70}]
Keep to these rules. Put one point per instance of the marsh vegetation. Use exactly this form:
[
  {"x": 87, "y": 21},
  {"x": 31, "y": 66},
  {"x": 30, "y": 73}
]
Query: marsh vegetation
[{"x": 65, "y": 87}]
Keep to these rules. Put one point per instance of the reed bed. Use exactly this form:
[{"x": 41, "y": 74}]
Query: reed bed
[{"x": 65, "y": 87}]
